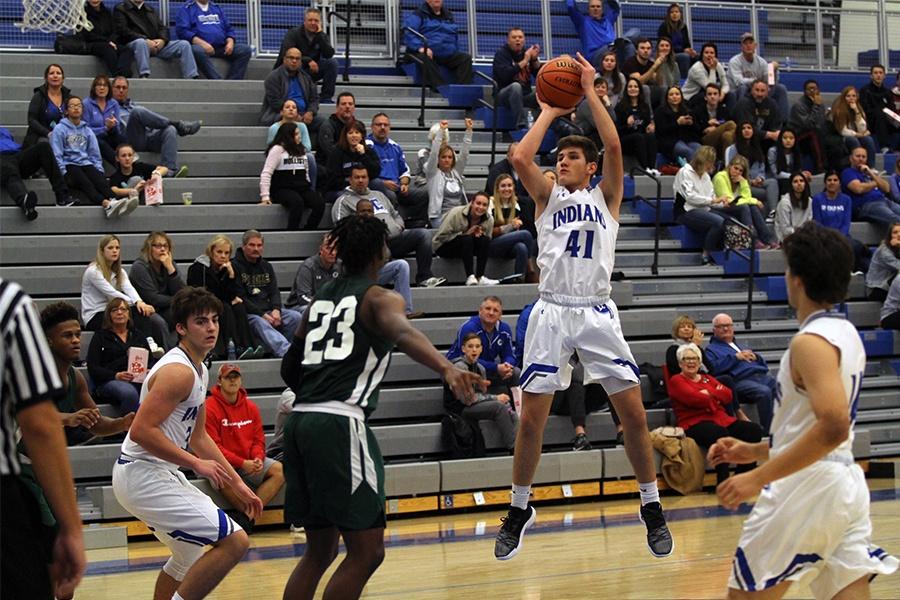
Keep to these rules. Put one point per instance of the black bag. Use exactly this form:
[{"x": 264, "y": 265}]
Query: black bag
[
  {"x": 736, "y": 237},
  {"x": 658, "y": 390},
  {"x": 461, "y": 437},
  {"x": 70, "y": 44}
]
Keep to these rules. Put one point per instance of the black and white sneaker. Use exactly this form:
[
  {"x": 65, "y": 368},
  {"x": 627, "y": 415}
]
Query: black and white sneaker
[
  {"x": 509, "y": 538},
  {"x": 659, "y": 540}
]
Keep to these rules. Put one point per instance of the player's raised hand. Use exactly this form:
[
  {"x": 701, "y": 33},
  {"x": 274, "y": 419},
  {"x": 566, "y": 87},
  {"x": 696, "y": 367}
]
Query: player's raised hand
[
  {"x": 554, "y": 111},
  {"x": 730, "y": 450},
  {"x": 737, "y": 489},
  {"x": 462, "y": 384},
  {"x": 588, "y": 73}
]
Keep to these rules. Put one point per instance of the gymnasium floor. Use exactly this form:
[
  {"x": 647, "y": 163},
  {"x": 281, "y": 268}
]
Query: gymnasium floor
[{"x": 591, "y": 550}]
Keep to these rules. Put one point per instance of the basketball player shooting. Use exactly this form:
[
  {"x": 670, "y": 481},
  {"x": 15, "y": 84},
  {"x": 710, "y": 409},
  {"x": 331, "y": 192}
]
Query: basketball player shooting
[{"x": 577, "y": 227}]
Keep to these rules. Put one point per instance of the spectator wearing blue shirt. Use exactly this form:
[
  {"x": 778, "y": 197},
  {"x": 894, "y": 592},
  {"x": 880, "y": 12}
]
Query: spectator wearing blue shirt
[
  {"x": 394, "y": 179},
  {"x": 868, "y": 191},
  {"x": 894, "y": 182},
  {"x": 833, "y": 208},
  {"x": 514, "y": 68},
  {"x": 17, "y": 164},
  {"x": 749, "y": 370},
  {"x": 498, "y": 356},
  {"x": 435, "y": 21},
  {"x": 597, "y": 31},
  {"x": 289, "y": 82},
  {"x": 102, "y": 114},
  {"x": 204, "y": 25}
]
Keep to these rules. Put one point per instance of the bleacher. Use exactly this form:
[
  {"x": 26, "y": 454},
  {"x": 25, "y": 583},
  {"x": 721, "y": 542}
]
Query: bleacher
[{"x": 48, "y": 256}]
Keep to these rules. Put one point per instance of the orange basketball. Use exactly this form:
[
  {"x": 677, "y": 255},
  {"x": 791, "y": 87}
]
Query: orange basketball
[{"x": 559, "y": 82}]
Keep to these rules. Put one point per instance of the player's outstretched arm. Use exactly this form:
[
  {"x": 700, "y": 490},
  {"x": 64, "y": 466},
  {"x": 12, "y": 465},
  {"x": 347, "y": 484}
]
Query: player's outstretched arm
[
  {"x": 522, "y": 158},
  {"x": 383, "y": 312}
]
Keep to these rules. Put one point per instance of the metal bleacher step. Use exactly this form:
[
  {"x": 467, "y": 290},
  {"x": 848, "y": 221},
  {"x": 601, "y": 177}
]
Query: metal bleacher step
[
  {"x": 875, "y": 416},
  {"x": 706, "y": 298}
]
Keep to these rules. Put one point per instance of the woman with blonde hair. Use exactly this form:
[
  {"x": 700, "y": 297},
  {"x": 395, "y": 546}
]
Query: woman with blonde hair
[
  {"x": 444, "y": 174},
  {"x": 849, "y": 121},
  {"x": 510, "y": 239},
  {"x": 213, "y": 271},
  {"x": 731, "y": 183},
  {"x": 155, "y": 276}
]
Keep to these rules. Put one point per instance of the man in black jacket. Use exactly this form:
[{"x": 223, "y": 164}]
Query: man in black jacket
[
  {"x": 99, "y": 41},
  {"x": 874, "y": 98},
  {"x": 139, "y": 27},
  {"x": 514, "y": 67},
  {"x": 271, "y": 323},
  {"x": 318, "y": 54},
  {"x": 808, "y": 121},
  {"x": 290, "y": 82}
]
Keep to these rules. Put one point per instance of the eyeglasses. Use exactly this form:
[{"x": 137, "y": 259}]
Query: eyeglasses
[
  {"x": 690, "y": 359},
  {"x": 162, "y": 245},
  {"x": 725, "y": 326}
]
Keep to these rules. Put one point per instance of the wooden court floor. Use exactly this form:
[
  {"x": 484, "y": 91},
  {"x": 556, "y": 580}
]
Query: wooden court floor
[{"x": 580, "y": 551}]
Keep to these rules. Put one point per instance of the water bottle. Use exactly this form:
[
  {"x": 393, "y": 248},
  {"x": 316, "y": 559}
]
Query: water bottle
[
  {"x": 529, "y": 118},
  {"x": 787, "y": 63},
  {"x": 232, "y": 351}
]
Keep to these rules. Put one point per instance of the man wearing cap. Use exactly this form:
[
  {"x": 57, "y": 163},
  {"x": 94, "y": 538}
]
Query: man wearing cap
[
  {"x": 747, "y": 66},
  {"x": 235, "y": 425}
]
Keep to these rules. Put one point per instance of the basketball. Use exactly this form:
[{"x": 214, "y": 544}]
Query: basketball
[{"x": 559, "y": 82}]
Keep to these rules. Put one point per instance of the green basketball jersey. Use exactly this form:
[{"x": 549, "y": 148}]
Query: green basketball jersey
[{"x": 342, "y": 360}]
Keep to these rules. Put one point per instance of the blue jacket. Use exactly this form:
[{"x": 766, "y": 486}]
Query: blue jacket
[
  {"x": 8, "y": 144},
  {"x": 835, "y": 213},
  {"x": 521, "y": 329},
  {"x": 722, "y": 361},
  {"x": 96, "y": 118},
  {"x": 894, "y": 182},
  {"x": 75, "y": 145},
  {"x": 440, "y": 30},
  {"x": 211, "y": 26},
  {"x": 494, "y": 345},
  {"x": 594, "y": 34},
  {"x": 393, "y": 161}
]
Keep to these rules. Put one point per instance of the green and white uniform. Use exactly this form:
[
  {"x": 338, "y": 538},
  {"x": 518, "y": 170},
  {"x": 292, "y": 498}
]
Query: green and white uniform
[{"x": 333, "y": 467}]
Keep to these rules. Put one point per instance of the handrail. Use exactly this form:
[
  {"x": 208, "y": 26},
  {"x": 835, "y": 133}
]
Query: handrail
[
  {"x": 657, "y": 206},
  {"x": 421, "y": 63},
  {"x": 750, "y": 258},
  {"x": 346, "y": 19},
  {"x": 495, "y": 90}
]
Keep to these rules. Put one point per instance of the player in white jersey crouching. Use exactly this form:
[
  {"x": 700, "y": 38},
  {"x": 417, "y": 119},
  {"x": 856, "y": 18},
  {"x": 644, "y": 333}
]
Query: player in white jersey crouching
[
  {"x": 812, "y": 516},
  {"x": 146, "y": 479},
  {"x": 577, "y": 228}
]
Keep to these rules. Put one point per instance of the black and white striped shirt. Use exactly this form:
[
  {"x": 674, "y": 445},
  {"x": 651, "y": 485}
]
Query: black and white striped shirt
[{"x": 27, "y": 371}]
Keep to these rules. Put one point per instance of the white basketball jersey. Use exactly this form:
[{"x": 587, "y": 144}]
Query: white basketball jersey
[
  {"x": 179, "y": 425},
  {"x": 793, "y": 414},
  {"x": 577, "y": 241}
]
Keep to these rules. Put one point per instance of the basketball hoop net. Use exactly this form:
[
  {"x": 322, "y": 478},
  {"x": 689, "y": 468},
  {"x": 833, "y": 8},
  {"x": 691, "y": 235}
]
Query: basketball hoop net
[{"x": 54, "y": 16}]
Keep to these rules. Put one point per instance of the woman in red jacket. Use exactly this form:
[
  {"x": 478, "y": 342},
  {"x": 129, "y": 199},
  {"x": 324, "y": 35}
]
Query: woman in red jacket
[{"x": 699, "y": 401}]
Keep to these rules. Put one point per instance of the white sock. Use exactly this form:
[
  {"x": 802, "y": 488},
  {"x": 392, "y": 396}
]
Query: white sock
[
  {"x": 520, "y": 494},
  {"x": 177, "y": 596},
  {"x": 649, "y": 492}
]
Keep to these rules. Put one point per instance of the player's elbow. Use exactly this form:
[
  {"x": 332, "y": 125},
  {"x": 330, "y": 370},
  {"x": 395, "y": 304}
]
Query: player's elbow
[
  {"x": 835, "y": 428},
  {"x": 612, "y": 146},
  {"x": 519, "y": 158}
]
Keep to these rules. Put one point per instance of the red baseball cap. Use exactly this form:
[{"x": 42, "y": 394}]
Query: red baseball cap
[{"x": 228, "y": 368}]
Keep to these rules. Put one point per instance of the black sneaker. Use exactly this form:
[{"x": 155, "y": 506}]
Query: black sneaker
[
  {"x": 66, "y": 200},
  {"x": 29, "y": 202},
  {"x": 581, "y": 442},
  {"x": 187, "y": 127},
  {"x": 509, "y": 538},
  {"x": 241, "y": 519},
  {"x": 659, "y": 540}
]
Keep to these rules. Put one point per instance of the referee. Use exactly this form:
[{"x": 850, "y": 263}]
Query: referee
[{"x": 28, "y": 383}]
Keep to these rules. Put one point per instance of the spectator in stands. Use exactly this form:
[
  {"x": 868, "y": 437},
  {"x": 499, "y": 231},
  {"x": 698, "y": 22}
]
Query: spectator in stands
[
  {"x": 465, "y": 233},
  {"x": 874, "y": 97},
  {"x": 748, "y": 145},
  {"x": 895, "y": 92},
  {"x": 509, "y": 238},
  {"x": 107, "y": 359},
  {"x": 885, "y": 264},
  {"x": 101, "y": 113},
  {"x": 318, "y": 55},
  {"x": 401, "y": 241},
  {"x": 270, "y": 322},
  {"x": 708, "y": 70},
  {"x": 139, "y": 27},
  {"x": 351, "y": 150},
  {"x": 783, "y": 161},
  {"x": 81, "y": 418},
  {"x": 757, "y": 108},
  {"x": 868, "y": 190},
  {"x": 697, "y": 206},
  {"x": 131, "y": 175},
  {"x": 148, "y": 131},
  {"x": 234, "y": 423},
  {"x": 285, "y": 179},
  {"x": 17, "y": 164},
  {"x": 526, "y": 204},
  {"x": 582, "y": 117},
  {"x": 99, "y": 40},
  {"x": 289, "y": 81},
  {"x": 393, "y": 181},
  {"x": 155, "y": 275},
  {"x": 213, "y": 271},
  {"x": 446, "y": 180},
  {"x": 47, "y": 106},
  {"x": 890, "y": 311},
  {"x": 105, "y": 279},
  {"x": 731, "y": 183},
  {"x": 675, "y": 29},
  {"x": 435, "y": 21},
  {"x": 615, "y": 79},
  {"x": 597, "y": 31},
  {"x": 330, "y": 130},
  {"x": 713, "y": 122},
  {"x": 833, "y": 208},
  {"x": 634, "y": 122},
  {"x": 808, "y": 120},
  {"x": 747, "y": 66},
  {"x": 684, "y": 331},
  {"x": 290, "y": 114},
  {"x": 675, "y": 130},
  {"x": 849, "y": 120},
  {"x": 78, "y": 156},
  {"x": 699, "y": 402},
  {"x": 752, "y": 381},
  {"x": 498, "y": 354},
  {"x": 314, "y": 272},
  {"x": 894, "y": 182},
  {"x": 514, "y": 68},
  {"x": 668, "y": 74},
  {"x": 645, "y": 69},
  {"x": 206, "y": 28},
  {"x": 484, "y": 406},
  {"x": 794, "y": 208}
]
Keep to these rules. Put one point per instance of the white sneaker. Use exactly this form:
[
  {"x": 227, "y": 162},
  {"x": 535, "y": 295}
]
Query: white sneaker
[
  {"x": 471, "y": 280},
  {"x": 155, "y": 350},
  {"x": 114, "y": 208},
  {"x": 129, "y": 205},
  {"x": 487, "y": 281},
  {"x": 296, "y": 529},
  {"x": 433, "y": 282},
  {"x": 654, "y": 172}
]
